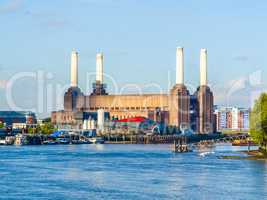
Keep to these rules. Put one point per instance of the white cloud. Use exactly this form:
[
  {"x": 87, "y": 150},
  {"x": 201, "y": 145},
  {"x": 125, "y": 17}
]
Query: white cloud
[{"x": 239, "y": 92}]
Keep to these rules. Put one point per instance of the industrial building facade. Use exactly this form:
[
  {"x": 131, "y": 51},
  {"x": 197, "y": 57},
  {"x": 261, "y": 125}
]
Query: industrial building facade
[{"x": 177, "y": 108}]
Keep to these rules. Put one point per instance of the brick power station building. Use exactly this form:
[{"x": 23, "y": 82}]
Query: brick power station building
[{"x": 177, "y": 108}]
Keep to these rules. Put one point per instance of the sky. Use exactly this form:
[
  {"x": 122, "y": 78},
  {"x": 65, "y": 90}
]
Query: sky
[{"x": 138, "y": 39}]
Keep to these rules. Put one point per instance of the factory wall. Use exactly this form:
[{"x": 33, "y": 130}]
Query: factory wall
[{"x": 173, "y": 108}]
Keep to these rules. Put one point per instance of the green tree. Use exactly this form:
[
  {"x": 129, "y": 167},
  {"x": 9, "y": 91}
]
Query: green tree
[
  {"x": 30, "y": 130},
  {"x": 258, "y": 121},
  {"x": 33, "y": 130},
  {"x": 1, "y": 125},
  {"x": 47, "y": 120},
  {"x": 47, "y": 128}
]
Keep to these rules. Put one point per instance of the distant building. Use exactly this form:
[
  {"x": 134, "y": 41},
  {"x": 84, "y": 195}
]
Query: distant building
[
  {"x": 18, "y": 118},
  {"x": 75, "y": 120},
  {"x": 232, "y": 118},
  {"x": 136, "y": 124},
  {"x": 176, "y": 108}
]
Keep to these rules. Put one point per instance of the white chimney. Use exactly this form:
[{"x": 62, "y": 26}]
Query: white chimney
[
  {"x": 203, "y": 67},
  {"x": 74, "y": 69},
  {"x": 99, "y": 67},
  {"x": 179, "y": 65}
]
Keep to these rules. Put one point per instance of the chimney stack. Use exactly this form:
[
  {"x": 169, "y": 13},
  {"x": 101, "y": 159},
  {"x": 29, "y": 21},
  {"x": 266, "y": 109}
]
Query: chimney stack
[
  {"x": 74, "y": 69},
  {"x": 203, "y": 67},
  {"x": 99, "y": 67},
  {"x": 179, "y": 65}
]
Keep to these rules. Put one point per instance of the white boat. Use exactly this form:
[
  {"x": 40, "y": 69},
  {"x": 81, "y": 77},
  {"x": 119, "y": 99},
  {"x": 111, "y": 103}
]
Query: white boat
[
  {"x": 20, "y": 139},
  {"x": 96, "y": 140},
  {"x": 3, "y": 142},
  {"x": 49, "y": 142},
  {"x": 9, "y": 140},
  {"x": 63, "y": 140}
]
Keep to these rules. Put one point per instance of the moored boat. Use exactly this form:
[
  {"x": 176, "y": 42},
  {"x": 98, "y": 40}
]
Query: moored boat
[
  {"x": 3, "y": 142},
  {"x": 63, "y": 140},
  {"x": 80, "y": 142},
  {"x": 21, "y": 139},
  {"x": 243, "y": 143},
  {"x": 49, "y": 142},
  {"x": 97, "y": 140}
]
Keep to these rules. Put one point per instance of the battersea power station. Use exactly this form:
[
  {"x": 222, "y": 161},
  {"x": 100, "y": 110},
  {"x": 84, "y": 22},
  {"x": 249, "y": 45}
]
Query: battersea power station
[{"x": 177, "y": 108}]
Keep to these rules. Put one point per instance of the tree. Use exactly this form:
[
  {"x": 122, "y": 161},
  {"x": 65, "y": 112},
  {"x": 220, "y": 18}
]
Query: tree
[
  {"x": 258, "y": 121},
  {"x": 33, "y": 130},
  {"x": 47, "y": 120},
  {"x": 1, "y": 124},
  {"x": 47, "y": 128},
  {"x": 30, "y": 130}
]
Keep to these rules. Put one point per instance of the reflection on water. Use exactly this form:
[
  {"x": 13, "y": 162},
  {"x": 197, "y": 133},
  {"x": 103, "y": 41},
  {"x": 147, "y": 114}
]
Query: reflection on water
[{"x": 128, "y": 172}]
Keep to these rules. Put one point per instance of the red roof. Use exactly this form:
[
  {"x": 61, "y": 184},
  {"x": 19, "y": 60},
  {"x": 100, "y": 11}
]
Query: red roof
[{"x": 132, "y": 119}]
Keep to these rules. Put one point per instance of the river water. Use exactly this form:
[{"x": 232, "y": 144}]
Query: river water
[{"x": 127, "y": 172}]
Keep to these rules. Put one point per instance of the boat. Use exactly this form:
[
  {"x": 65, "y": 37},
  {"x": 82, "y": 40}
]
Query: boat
[
  {"x": 49, "y": 142},
  {"x": 10, "y": 140},
  {"x": 96, "y": 140},
  {"x": 243, "y": 143},
  {"x": 21, "y": 139},
  {"x": 3, "y": 142},
  {"x": 63, "y": 140},
  {"x": 182, "y": 148},
  {"x": 80, "y": 142}
]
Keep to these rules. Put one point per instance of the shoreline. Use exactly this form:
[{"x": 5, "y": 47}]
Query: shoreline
[{"x": 251, "y": 155}]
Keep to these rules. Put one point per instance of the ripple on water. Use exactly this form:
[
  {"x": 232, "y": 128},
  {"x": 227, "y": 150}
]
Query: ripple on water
[{"x": 126, "y": 172}]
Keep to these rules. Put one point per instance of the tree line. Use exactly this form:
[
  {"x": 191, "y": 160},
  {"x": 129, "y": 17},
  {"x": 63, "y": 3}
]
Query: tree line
[{"x": 258, "y": 121}]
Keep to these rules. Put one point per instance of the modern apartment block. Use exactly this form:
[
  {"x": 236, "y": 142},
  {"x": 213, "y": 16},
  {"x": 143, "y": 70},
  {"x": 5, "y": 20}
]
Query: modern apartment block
[{"x": 232, "y": 118}]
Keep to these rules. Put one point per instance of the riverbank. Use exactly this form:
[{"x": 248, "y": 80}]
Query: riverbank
[
  {"x": 69, "y": 138},
  {"x": 251, "y": 155}
]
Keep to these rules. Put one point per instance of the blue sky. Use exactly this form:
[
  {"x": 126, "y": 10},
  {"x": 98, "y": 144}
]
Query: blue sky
[{"x": 138, "y": 39}]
